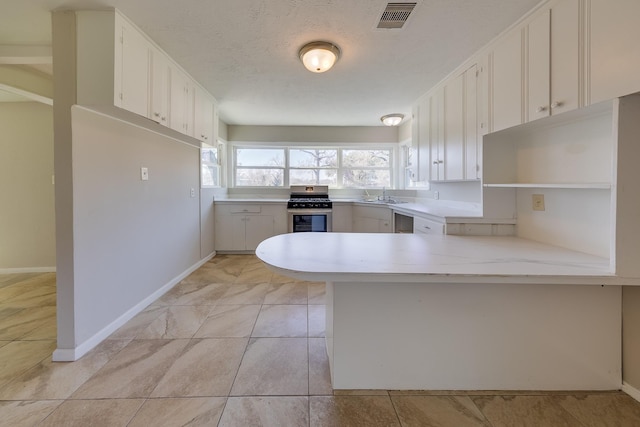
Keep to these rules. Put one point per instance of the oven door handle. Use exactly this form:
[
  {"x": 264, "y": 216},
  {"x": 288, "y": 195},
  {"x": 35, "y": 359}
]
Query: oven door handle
[{"x": 309, "y": 211}]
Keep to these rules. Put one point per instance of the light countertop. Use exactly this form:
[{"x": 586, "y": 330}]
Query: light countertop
[
  {"x": 250, "y": 200},
  {"x": 384, "y": 257},
  {"x": 448, "y": 212}
]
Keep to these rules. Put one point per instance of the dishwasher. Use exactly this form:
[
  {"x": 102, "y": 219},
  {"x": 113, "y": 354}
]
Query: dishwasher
[{"x": 402, "y": 223}]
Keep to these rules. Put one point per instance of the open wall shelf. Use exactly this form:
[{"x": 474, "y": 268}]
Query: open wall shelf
[{"x": 586, "y": 185}]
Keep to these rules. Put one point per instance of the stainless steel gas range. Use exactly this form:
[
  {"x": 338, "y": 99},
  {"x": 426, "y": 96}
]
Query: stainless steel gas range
[{"x": 309, "y": 209}]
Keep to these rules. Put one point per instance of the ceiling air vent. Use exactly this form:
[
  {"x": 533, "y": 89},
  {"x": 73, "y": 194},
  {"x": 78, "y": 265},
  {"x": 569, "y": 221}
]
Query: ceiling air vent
[{"x": 395, "y": 15}]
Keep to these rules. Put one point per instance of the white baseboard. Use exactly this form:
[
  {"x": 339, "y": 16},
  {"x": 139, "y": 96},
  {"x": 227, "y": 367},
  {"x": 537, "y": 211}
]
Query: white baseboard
[
  {"x": 631, "y": 391},
  {"x": 27, "y": 270},
  {"x": 73, "y": 354}
]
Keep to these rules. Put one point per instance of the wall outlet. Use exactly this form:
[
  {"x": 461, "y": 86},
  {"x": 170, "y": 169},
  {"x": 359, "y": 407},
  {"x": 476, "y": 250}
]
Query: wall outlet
[
  {"x": 193, "y": 192},
  {"x": 144, "y": 174},
  {"x": 537, "y": 202},
  {"x": 436, "y": 195}
]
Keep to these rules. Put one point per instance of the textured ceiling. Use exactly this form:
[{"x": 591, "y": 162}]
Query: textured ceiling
[{"x": 245, "y": 51}]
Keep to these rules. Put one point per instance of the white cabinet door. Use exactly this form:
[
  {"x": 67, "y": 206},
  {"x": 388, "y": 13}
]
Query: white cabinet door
[
  {"x": 436, "y": 135},
  {"x": 427, "y": 226},
  {"x": 482, "y": 93},
  {"x": 614, "y": 49},
  {"x": 415, "y": 137},
  {"x": 372, "y": 219},
  {"x": 258, "y": 228},
  {"x": 384, "y": 226},
  {"x": 538, "y": 82},
  {"x": 565, "y": 57},
  {"x": 203, "y": 116},
  {"x": 454, "y": 129},
  {"x": 471, "y": 162},
  {"x": 554, "y": 61},
  {"x": 178, "y": 103},
  {"x": 507, "y": 82},
  {"x": 363, "y": 224},
  {"x": 134, "y": 89},
  {"x": 424, "y": 147},
  {"x": 159, "y": 88},
  {"x": 342, "y": 218},
  {"x": 229, "y": 232}
]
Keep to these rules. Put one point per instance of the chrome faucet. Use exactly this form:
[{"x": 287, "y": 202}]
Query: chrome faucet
[{"x": 384, "y": 194}]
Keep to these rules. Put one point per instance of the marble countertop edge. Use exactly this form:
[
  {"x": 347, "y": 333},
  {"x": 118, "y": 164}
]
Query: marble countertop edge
[{"x": 409, "y": 258}]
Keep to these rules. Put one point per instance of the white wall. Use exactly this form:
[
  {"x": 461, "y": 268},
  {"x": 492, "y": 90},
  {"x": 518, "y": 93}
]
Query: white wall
[
  {"x": 27, "y": 218},
  {"x": 131, "y": 237},
  {"x": 366, "y": 134}
]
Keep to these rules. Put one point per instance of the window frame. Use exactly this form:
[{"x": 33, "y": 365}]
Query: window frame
[{"x": 340, "y": 147}]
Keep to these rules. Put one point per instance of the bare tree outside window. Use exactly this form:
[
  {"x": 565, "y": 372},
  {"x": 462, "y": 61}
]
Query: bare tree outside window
[{"x": 335, "y": 167}]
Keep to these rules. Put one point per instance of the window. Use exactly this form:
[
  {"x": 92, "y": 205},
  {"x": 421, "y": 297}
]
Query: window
[
  {"x": 342, "y": 167},
  {"x": 259, "y": 167},
  {"x": 313, "y": 166},
  {"x": 366, "y": 168},
  {"x": 210, "y": 166}
]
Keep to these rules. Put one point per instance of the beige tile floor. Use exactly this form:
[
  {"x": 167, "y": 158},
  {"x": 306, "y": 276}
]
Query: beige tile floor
[{"x": 234, "y": 345}]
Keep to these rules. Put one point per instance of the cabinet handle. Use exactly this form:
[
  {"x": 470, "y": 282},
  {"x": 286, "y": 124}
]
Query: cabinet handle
[
  {"x": 427, "y": 227},
  {"x": 164, "y": 119},
  {"x": 156, "y": 114},
  {"x": 541, "y": 109},
  {"x": 556, "y": 104}
]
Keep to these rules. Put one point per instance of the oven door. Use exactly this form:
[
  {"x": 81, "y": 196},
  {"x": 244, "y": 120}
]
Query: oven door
[{"x": 309, "y": 220}]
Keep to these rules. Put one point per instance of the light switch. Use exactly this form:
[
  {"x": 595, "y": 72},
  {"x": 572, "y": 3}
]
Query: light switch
[
  {"x": 538, "y": 202},
  {"x": 144, "y": 174}
]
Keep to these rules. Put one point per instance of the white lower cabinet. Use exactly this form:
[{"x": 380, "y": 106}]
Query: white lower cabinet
[
  {"x": 342, "y": 218},
  {"x": 372, "y": 219},
  {"x": 427, "y": 226},
  {"x": 241, "y": 227}
]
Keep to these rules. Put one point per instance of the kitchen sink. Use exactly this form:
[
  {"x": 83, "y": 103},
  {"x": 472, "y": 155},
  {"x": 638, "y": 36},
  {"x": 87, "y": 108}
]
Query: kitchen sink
[{"x": 384, "y": 202}]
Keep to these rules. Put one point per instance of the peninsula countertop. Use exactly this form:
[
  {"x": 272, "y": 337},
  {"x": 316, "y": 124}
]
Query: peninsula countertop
[{"x": 412, "y": 258}]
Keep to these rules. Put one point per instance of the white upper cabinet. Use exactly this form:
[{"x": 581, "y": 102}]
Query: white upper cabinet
[
  {"x": 614, "y": 54},
  {"x": 454, "y": 129},
  {"x": 420, "y": 139},
  {"x": 203, "y": 116},
  {"x": 424, "y": 154},
  {"x": 415, "y": 137},
  {"x": 452, "y": 116},
  {"x": 471, "y": 131},
  {"x": 159, "y": 88},
  {"x": 507, "y": 82},
  {"x": 539, "y": 60},
  {"x": 554, "y": 60},
  {"x": 436, "y": 134},
  {"x": 566, "y": 59},
  {"x": 119, "y": 65},
  {"x": 134, "y": 78},
  {"x": 180, "y": 95}
]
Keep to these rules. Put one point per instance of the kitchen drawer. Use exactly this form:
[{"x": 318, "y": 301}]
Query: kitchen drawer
[
  {"x": 426, "y": 226},
  {"x": 242, "y": 209}
]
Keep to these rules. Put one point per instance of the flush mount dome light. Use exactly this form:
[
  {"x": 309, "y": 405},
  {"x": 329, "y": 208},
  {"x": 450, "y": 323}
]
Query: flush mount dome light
[
  {"x": 319, "y": 57},
  {"x": 392, "y": 119}
]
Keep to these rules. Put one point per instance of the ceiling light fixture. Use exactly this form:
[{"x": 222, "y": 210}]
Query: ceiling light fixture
[
  {"x": 392, "y": 119},
  {"x": 319, "y": 57}
]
